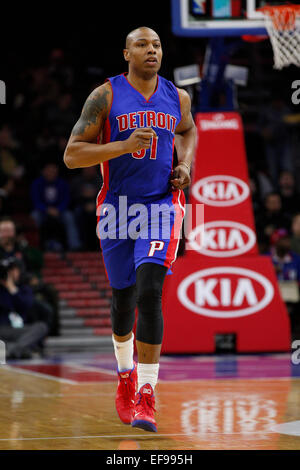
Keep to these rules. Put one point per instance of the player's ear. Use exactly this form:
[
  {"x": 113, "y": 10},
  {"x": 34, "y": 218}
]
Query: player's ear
[{"x": 126, "y": 54}]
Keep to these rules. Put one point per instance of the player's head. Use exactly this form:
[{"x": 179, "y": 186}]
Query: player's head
[{"x": 143, "y": 52}]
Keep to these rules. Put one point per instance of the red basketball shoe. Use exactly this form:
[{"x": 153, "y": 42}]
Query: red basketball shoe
[
  {"x": 127, "y": 383},
  {"x": 144, "y": 409}
]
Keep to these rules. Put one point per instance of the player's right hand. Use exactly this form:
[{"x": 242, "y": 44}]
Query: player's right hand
[{"x": 139, "y": 139}]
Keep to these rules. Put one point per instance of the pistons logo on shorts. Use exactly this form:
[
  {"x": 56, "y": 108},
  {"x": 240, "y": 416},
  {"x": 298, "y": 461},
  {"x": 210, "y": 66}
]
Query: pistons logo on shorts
[{"x": 155, "y": 245}]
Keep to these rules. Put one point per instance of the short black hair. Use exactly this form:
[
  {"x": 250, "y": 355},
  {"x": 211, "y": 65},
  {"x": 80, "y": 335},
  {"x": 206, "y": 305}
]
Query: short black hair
[{"x": 127, "y": 41}]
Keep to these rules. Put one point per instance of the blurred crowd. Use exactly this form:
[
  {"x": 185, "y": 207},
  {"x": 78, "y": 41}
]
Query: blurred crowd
[
  {"x": 45, "y": 207},
  {"x": 28, "y": 306}
]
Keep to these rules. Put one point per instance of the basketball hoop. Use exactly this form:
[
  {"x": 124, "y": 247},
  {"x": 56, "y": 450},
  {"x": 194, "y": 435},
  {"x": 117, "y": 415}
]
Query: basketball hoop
[{"x": 284, "y": 31}]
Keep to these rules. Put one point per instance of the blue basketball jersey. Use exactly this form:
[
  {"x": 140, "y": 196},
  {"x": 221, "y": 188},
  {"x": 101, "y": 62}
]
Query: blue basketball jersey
[{"x": 144, "y": 175}]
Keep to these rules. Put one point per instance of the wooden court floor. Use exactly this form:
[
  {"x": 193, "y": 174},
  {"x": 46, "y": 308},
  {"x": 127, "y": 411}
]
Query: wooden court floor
[{"x": 226, "y": 409}]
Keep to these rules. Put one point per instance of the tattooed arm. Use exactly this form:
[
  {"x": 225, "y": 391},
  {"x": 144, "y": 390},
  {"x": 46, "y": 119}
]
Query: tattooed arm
[{"x": 82, "y": 149}]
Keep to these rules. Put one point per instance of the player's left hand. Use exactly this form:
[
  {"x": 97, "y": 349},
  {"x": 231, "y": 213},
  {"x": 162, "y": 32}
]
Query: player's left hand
[{"x": 180, "y": 177}]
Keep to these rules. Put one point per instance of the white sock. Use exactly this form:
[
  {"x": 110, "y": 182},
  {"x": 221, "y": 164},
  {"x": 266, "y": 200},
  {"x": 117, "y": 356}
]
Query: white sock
[
  {"x": 147, "y": 374},
  {"x": 124, "y": 353}
]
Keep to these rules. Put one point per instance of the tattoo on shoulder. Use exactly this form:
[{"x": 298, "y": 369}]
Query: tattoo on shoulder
[{"x": 94, "y": 105}]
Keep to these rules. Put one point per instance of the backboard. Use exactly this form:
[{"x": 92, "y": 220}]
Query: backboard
[{"x": 207, "y": 18}]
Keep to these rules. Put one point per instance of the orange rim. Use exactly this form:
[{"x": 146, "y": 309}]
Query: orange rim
[{"x": 282, "y": 16}]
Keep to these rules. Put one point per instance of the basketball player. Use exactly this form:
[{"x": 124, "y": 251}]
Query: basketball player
[{"x": 129, "y": 126}]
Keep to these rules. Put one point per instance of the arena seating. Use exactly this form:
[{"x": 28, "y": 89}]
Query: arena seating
[{"x": 84, "y": 300}]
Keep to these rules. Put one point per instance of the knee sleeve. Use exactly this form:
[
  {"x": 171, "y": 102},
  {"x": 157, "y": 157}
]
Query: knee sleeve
[
  {"x": 149, "y": 281},
  {"x": 122, "y": 310}
]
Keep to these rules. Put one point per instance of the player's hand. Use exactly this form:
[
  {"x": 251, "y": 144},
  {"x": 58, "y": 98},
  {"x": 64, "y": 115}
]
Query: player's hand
[
  {"x": 180, "y": 177},
  {"x": 139, "y": 139}
]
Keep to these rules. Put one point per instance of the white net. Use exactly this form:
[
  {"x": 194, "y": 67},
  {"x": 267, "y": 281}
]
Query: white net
[{"x": 284, "y": 31}]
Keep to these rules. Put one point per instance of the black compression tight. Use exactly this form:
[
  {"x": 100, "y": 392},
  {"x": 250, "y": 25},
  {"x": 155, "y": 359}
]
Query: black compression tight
[
  {"x": 122, "y": 310},
  {"x": 147, "y": 296}
]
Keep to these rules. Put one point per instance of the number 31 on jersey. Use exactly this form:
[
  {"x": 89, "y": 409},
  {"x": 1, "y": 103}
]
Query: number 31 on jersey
[{"x": 153, "y": 149}]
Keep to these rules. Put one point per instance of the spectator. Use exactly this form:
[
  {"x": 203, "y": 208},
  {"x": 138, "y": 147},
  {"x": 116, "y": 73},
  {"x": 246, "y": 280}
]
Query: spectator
[
  {"x": 32, "y": 256},
  {"x": 20, "y": 339},
  {"x": 15, "y": 244},
  {"x": 260, "y": 186},
  {"x": 28, "y": 271},
  {"x": 8, "y": 243},
  {"x": 50, "y": 197},
  {"x": 295, "y": 240},
  {"x": 287, "y": 267},
  {"x": 285, "y": 261},
  {"x": 289, "y": 197},
  {"x": 270, "y": 218},
  {"x": 38, "y": 309}
]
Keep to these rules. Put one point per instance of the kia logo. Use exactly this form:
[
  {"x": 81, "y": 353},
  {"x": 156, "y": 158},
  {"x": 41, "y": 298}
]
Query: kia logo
[
  {"x": 225, "y": 292},
  {"x": 222, "y": 238},
  {"x": 220, "y": 190}
]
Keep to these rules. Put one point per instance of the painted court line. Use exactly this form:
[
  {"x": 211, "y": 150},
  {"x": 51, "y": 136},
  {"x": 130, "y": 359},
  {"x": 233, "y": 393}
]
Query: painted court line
[
  {"x": 113, "y": 373},
  {"x": 39, "y": 375},
  {"x": 59, "y": 395},
  {"x": 175, "y": 377},
  {"x": 132, "y": 436},
  {"x": 160, "y": 380},
  {"x": 219, "y": 379},
  {"x": 91, "y": 368}
]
